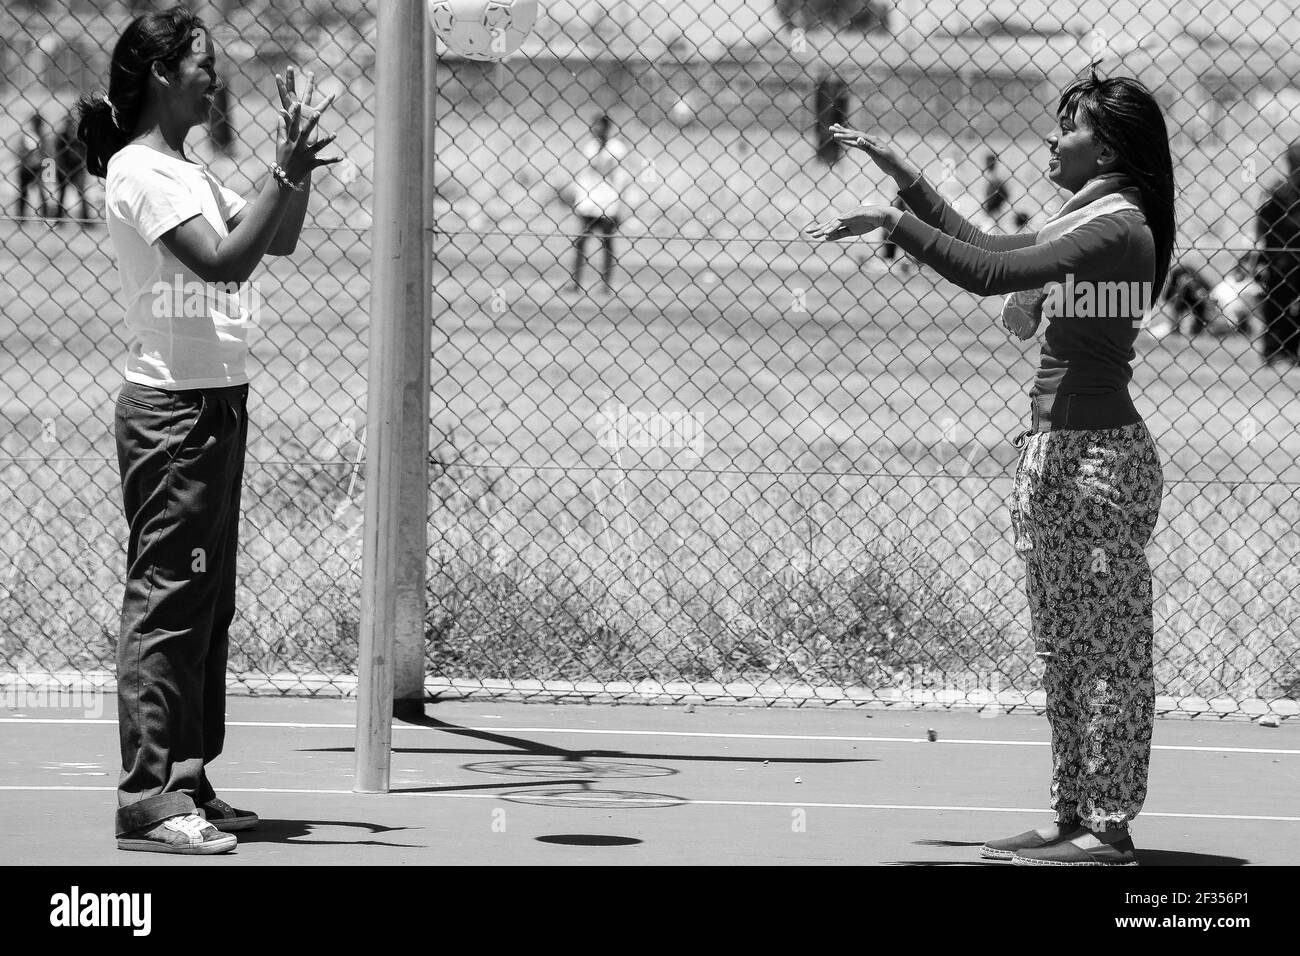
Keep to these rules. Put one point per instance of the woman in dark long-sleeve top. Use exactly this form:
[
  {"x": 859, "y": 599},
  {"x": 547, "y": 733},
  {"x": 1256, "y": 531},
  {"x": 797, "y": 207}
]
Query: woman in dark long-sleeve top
[{"x": 1088, "y": 482}]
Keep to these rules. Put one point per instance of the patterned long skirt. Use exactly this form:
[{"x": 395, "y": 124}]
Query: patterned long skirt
[{"x": 1084, "y": 507}]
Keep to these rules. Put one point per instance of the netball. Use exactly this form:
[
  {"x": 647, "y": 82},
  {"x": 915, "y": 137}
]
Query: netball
[{"x": 482, "y": 29}]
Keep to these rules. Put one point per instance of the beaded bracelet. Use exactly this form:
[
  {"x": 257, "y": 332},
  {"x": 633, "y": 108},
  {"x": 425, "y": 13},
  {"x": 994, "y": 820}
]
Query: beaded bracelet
[{"x": 283, "y": 179}]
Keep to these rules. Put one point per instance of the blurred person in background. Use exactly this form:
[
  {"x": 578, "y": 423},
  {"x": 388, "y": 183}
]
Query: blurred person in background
[
  {"x": 1278, "y": 229},
  {"x": 221, "y": 126},
  {"x": 997, "y": 196},
  {"x": 33, "y": 149},
  {"x": 1236, "y": 300},
  {"x": 70, "y": 168},
  {"x": 598, "y": 198},
  {"x": 1186, "y": 305},
  {"x": 830, "y": 109}
]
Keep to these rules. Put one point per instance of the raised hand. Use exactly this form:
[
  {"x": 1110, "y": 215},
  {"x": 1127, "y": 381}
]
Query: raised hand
[
  {"x": 856, "y": 223},
  {"x": 891, "y": 162},
  {"x": 297, "y": 150}
]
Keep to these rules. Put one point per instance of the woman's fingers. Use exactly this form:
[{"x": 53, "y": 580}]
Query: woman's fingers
[
  {"x": 286, "y": 86},
  {"x": 325, "y": 104},
  {"x": 832, "y": 229},
  {"x": 857, "y": 223},
  {"x": 862, "y": 141},
  {"x": 855, "y": 136},
  {"x": 334, "y": 96},
  {"x": 323, "y": 142},
  {"x": 313, "y": 116},
  {"x": 858, "y": 139},
  {"x": 286, "y": 114},
  {"x": 305, "y": 134},
  {"x": 846, "y": 132}
]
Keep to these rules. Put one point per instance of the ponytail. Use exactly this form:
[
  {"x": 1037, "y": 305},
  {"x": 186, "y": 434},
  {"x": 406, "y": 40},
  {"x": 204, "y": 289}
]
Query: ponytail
[
  {"x": 107, "y": 121},
  {"x": 98, "y": 128}
]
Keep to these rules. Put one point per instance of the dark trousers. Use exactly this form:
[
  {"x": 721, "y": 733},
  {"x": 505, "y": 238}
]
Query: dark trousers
[
  {"x": 29, "y": 180},
  {"x": 181, "y": 458},
  {"x": 1280, "y": 315},
  {"x": 590, "y": 224}
]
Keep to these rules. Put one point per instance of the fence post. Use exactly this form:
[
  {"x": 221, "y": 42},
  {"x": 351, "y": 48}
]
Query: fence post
[
  {"x": 412, "y": 568},
  {"x": 397, "y": 309}
]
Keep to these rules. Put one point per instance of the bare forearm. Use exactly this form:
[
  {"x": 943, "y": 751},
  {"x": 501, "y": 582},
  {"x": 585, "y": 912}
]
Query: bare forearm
[
  {"x": 238, "y": 254},
  {"x": 286, "y": 237}
]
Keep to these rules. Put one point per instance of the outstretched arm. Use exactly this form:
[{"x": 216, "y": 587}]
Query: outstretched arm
[
  {"x": 931, "y": 208},
  {"x": 922, "y": 198},
  {"x": 1091, "y": 249}
]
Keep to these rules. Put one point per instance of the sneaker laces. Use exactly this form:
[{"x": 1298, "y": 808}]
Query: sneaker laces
[{"x": 189, "y": 825}]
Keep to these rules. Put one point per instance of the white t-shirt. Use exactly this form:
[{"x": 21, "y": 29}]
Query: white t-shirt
[
  {"x": 182, "y": 332},
  {"x": 601, "y": 179}
]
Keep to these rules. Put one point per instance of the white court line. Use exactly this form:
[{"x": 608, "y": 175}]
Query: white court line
[
  {"x": 658, "y": 733},
  {"x": 585, "y": 796}
]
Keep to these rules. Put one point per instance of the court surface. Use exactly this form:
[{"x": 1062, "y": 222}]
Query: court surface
[{"x": 482, "y": 782}]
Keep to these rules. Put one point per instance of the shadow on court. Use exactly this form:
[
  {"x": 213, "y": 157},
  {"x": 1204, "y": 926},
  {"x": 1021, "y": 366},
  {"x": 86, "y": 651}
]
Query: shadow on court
[
  {"x": 569, "y": 777},
  {"x": 965, "y": 862},
  {"x": 295, "y": 831},
  {"x": 535, "y": 747},
  {"x": 579, "y": 755},
  {"x": 518, "y": 743},
  {"x": 587, "y": 839},
  {"x": 1145, "y": 857},
  {"x": 1186, "y": 858}
]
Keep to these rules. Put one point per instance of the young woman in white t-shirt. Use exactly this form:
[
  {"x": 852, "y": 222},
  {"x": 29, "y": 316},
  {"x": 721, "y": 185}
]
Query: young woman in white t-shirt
[{"x": 185, "y": 249}]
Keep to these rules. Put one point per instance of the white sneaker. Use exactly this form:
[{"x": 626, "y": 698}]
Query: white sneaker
[{"x": 184, "y": 833}]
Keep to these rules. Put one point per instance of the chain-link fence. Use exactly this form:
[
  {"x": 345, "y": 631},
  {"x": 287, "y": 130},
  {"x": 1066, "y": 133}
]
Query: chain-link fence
[{"x": 724, "y": 462}]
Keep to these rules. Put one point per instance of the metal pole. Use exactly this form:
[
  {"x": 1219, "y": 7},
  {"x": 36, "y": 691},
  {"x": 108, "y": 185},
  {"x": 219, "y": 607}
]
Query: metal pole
[
  {"x": 397, "y": 291},
  {"x": 412, "y": 573}
]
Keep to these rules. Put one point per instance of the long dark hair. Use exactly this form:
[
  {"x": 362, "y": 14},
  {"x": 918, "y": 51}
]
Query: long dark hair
[
  {"x": 1124, "y": 115},
  {"x": 108, "y": 121}
]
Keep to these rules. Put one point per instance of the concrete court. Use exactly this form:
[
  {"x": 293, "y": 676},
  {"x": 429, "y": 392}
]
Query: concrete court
[{"x": 483, "y": 782}]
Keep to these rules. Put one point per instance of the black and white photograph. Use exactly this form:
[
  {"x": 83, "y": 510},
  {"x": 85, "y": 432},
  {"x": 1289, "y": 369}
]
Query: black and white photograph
[{"x": 650, "y": 433}]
